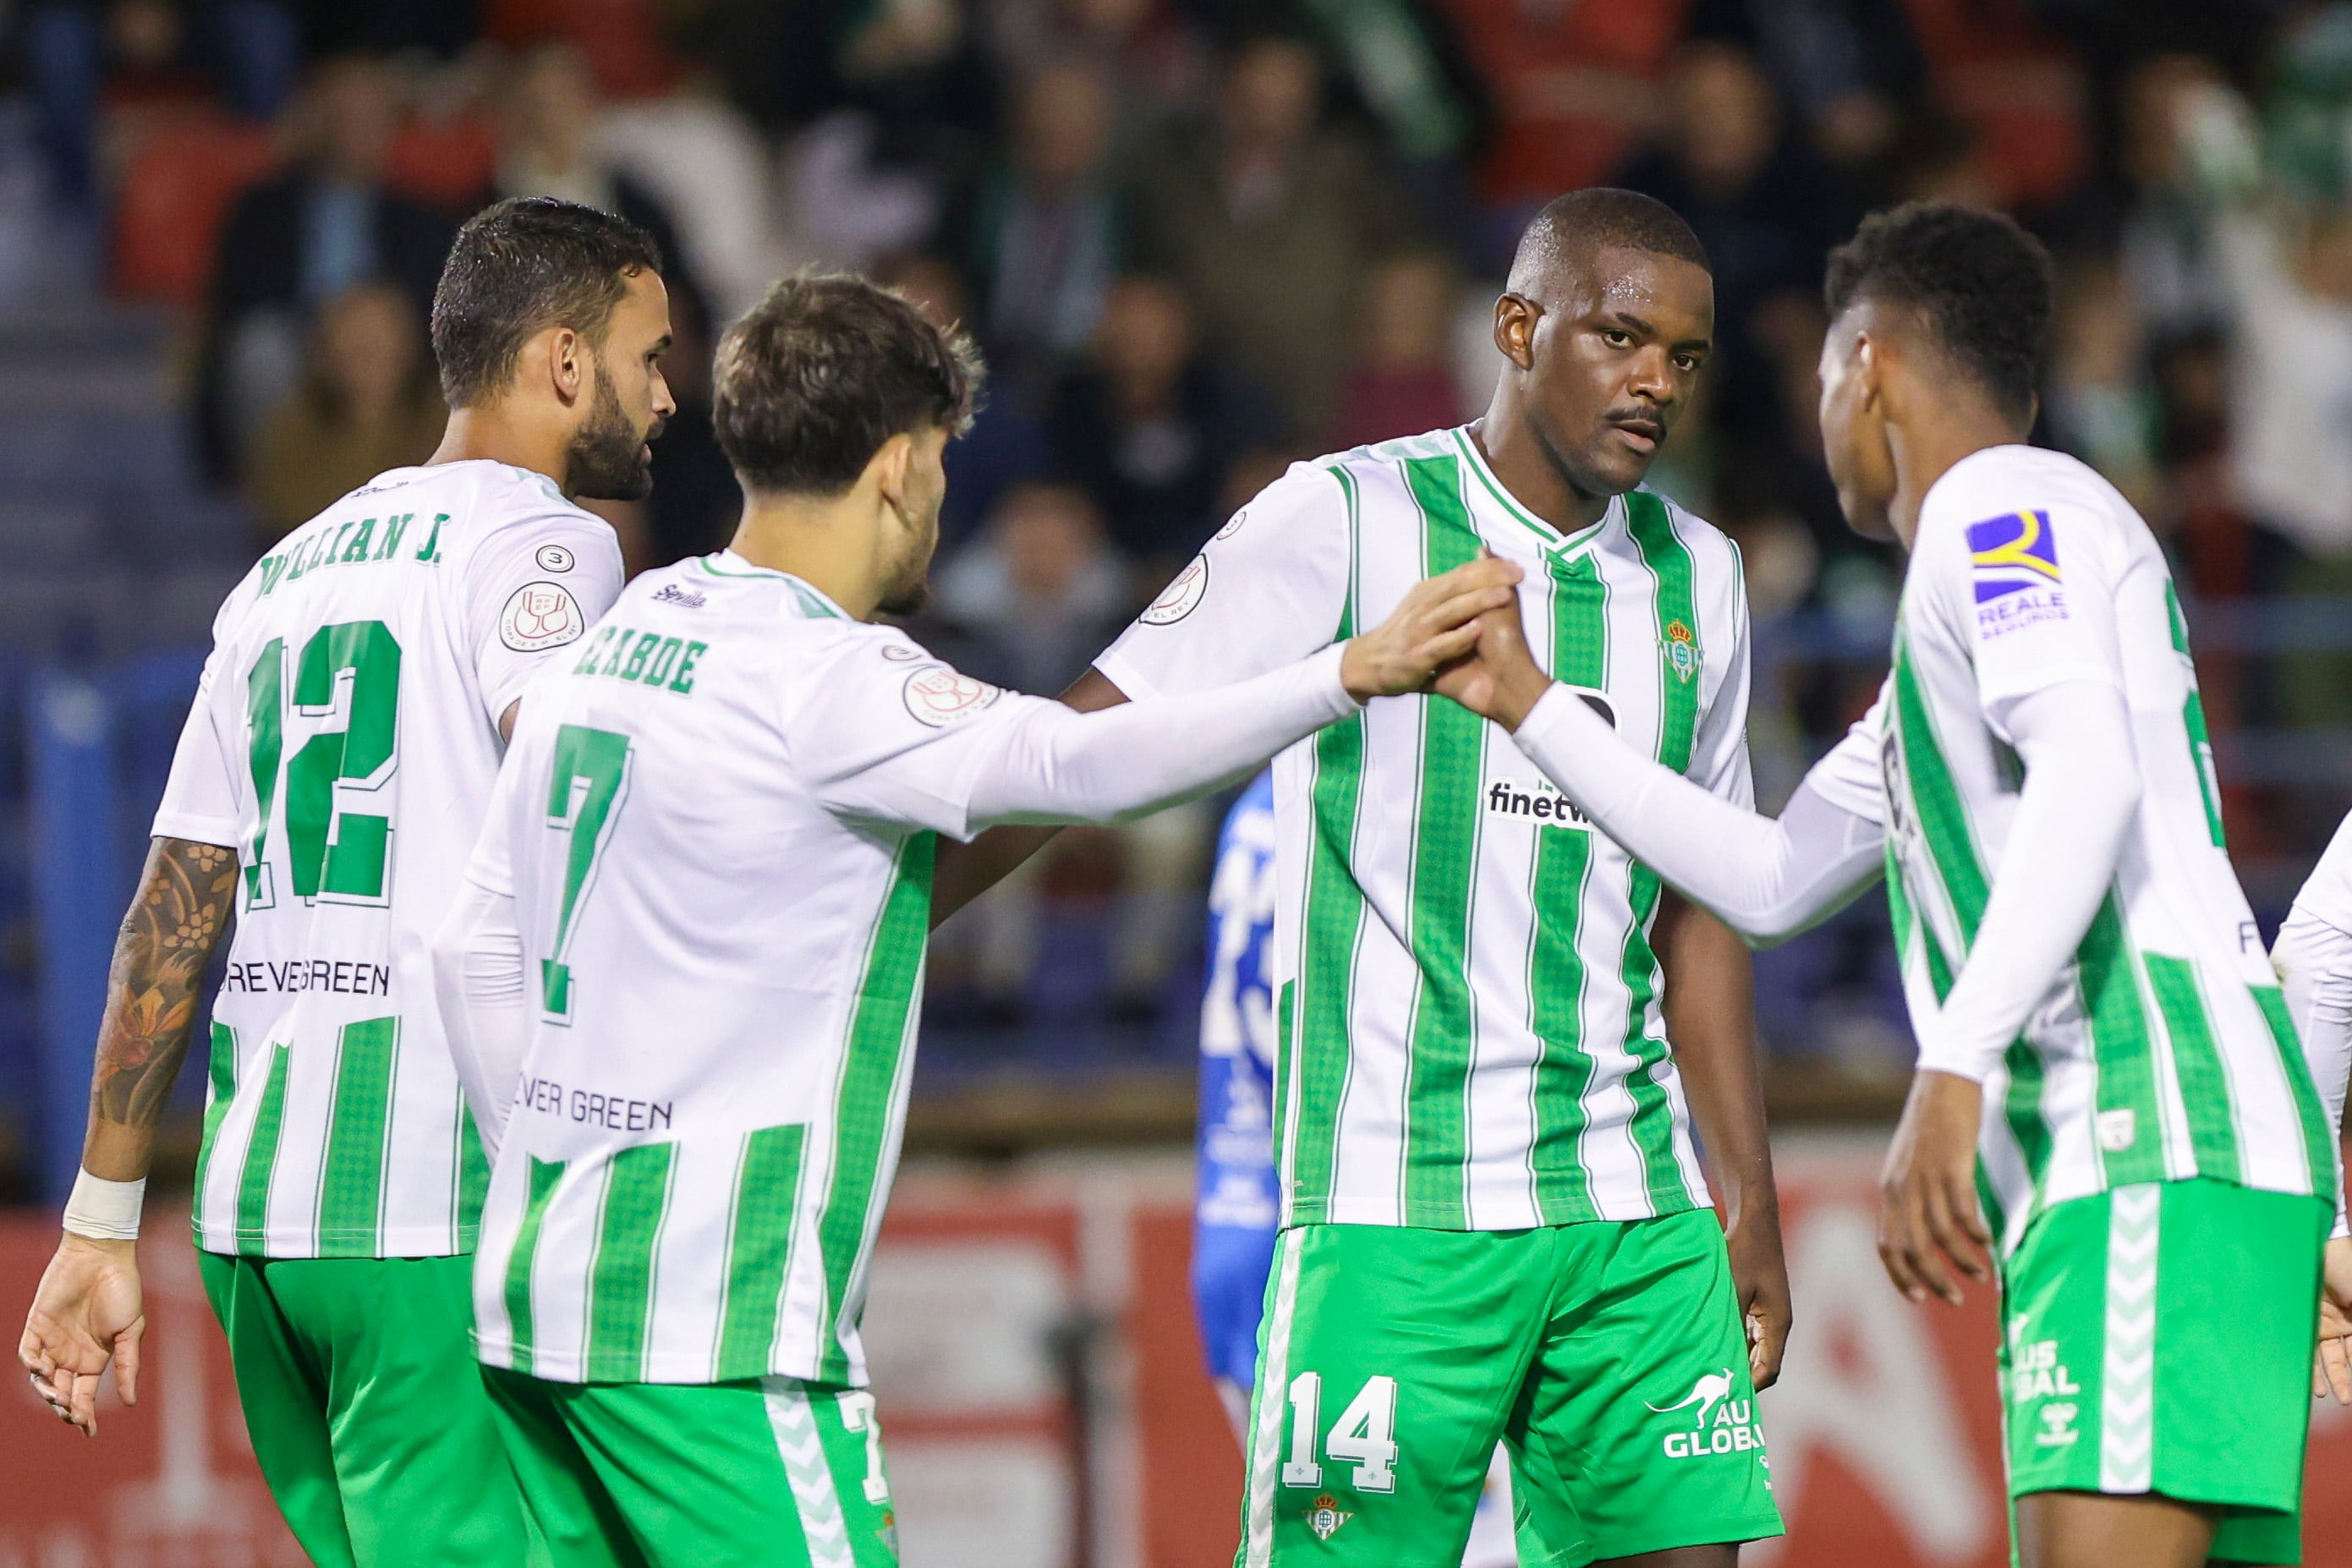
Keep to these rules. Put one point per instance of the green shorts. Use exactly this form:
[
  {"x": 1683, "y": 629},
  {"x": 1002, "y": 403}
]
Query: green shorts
[
  {"x": 765, "y": 1471},
  {"x": 2158, "y": 1337},
  {"x": 366, "y": 1409},
  {"x": 1608, "y": 1358}
]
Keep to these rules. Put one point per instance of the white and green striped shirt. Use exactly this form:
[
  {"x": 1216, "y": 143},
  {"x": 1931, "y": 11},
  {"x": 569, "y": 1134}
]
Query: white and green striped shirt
[
  {"x": 717, "y": 825},
  {"x": 344, "y": 741},
  {"x": 2164, "y": 1051},
  {"x": 1469, "y": 1033}
]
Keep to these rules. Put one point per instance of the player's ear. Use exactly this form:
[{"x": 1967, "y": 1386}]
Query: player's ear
[
  {"x": 892, "y": 466},
  {"x": 567, "y": 364},
  {"x": 1515, "y": 328}
]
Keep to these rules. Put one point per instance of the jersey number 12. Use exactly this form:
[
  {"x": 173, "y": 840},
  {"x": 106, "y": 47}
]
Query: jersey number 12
[{"x": 333, "y": 850}]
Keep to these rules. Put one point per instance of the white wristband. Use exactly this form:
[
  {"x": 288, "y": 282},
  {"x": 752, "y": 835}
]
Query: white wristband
[{"x": 103, "y": 1210}]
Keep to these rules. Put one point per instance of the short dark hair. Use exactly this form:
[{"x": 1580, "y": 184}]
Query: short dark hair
[
  {"x": 1980, "y": 282},
  {"x": 1582, "y": 222},
  {"x": 811, "y": 381},
  {"x": 519, "y": 267}
]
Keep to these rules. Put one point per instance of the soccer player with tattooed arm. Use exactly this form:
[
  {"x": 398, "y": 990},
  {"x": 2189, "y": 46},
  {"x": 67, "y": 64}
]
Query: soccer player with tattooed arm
[
  {"x": 2110, "y": 1096},
  {"x": 328, "y": 782}
]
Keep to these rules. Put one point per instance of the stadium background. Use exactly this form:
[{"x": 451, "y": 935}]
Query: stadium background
[{"x": 1197, "y": 239}]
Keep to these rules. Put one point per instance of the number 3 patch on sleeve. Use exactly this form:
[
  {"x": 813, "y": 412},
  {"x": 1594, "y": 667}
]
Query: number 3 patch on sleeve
[{"x": 541, "y": 616}]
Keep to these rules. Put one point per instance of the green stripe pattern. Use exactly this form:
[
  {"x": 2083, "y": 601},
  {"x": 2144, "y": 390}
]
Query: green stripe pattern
[
  {"x": 543, "y": 1177},
  {"x": 473, "y": 1182},
  {"x": 220, "y": 1093},
  {"x": 2122, "y": 1049},
  {"x": 1317, "y": 1048},
  {"x": 2192, "y": 719},
  {"x": 1557, "y": 981},
  {"x": 261, "y": 1155},
  {"x": 866, "y": 1099},
  {"x": 621, "y": 1273},
  {"x": 359, "y": 1129},
  {"x": 2318, "y": 1138},
  {"x": 759, "y": 1249},
  {"x": 1676, "y": 612},
  {"x": 2196, "y": 1060},
  {"x": 1444, "y": 865}
]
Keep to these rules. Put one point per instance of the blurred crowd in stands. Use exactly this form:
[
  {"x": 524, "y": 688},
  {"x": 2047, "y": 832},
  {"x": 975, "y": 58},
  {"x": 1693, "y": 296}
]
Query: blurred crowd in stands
[{"x": 1198, "y": 239}]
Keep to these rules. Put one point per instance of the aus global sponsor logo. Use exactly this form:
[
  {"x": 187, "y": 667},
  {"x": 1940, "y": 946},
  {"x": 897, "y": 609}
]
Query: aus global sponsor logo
[
  {"x": 2015, "y": 560},
  {"x": 1719, "y": 1423}
]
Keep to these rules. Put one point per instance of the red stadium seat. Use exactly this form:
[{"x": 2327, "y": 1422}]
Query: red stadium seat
[
  {"x": 176, "y": 192},
  {"x": 620, "y": 39},
  {"x": 447, "y": 163}
]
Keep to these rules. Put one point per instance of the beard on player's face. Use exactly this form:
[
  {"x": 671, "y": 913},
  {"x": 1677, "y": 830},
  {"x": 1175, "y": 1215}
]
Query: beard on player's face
[
  {"x": 906, "y": 591},
  {"x": 610, "y": 459}
]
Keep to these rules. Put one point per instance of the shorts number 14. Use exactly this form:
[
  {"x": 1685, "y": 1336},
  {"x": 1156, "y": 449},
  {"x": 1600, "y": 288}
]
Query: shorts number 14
[{"x": 1365, "y": 1434}]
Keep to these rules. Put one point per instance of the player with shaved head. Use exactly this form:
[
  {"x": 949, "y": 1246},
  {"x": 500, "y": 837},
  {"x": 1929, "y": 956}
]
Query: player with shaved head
[{"x": 1494, "y": 1033}]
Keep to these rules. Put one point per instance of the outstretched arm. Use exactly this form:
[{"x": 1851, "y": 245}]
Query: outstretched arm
[
  {"x": 88, "y": 1309},
  {"x": 963, "y": 871},
  {"x": 1766, "y": 879}
]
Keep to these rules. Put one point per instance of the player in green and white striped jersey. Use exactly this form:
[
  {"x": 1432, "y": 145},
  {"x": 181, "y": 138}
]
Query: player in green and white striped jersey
[
  {"x": 1495, "y": 1224},
  {"x": 328, "y": 786},
  {"x": 685, "y": 977},
  {"x": 2106, "y": 1064}
]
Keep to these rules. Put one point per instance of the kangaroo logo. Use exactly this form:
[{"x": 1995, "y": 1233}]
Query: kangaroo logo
[{"x": 1705, "y": 1393}]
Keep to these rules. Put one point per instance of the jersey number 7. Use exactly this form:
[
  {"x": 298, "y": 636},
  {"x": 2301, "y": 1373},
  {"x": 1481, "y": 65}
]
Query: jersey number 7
[{"x": 590, "y": 780}]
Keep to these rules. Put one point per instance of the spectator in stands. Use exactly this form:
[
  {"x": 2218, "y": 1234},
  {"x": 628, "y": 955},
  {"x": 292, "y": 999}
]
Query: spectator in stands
[
  {"x": 2102, "y": 405},
  {"x": 1043, "y": 229},
  {"x": 1152, "y": 47},
  {"x": 1149, "y": 424},
  {"x": 1766, "y": 210},
  {"x": 299, "y": 239},
  {"x": 85, "y": 53},
  {"x": 1006, "y": 443},
  {"x": 367, "y": 403},
  {"x": 547, "y": 147},
  {"x": 1402, "y": 380},
  {"x": 1038, "y": 594},
  {"x": 1269, "y": 221}
]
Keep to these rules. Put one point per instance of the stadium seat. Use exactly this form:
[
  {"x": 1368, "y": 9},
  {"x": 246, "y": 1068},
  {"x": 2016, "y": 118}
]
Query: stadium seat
[
  {"x": 446, "y": 162},
  {"x": 175, "y": 195}
]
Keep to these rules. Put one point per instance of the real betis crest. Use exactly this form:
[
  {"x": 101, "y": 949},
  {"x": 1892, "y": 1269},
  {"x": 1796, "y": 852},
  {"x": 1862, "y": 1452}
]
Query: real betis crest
[
  {"x": 1324, "y": 1518},
  {"x": 1681, "y": 650}
]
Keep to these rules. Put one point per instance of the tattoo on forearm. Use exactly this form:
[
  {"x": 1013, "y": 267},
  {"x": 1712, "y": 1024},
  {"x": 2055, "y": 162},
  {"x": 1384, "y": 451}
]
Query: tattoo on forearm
[{"x": 166, "y": 942}]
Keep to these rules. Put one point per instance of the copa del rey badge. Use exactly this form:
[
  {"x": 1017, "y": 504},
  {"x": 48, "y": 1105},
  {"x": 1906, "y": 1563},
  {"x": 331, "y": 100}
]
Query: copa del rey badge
[
  {"x": 1682, "y": 650},
  {"x": 1324, "y": 1517}
]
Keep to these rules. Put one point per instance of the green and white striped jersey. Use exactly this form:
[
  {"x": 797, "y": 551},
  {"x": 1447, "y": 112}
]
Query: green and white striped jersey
[
  {"x": 1468, "y": 1029},
  {"x": 344, "y": 741},
  {"x": 2164, "y": 1050},
  {"x": 717, "y": 825}
]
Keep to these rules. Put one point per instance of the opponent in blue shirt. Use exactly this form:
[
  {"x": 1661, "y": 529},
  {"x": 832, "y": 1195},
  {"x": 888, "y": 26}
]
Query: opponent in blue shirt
[{"x": 1236, "y": 1196}]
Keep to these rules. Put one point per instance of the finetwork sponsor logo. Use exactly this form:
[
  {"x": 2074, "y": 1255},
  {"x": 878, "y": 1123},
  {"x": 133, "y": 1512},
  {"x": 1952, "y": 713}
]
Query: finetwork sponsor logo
[
  {"x": 1720, "y": 1424},
  {"x": 1542, "y": 803}
]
